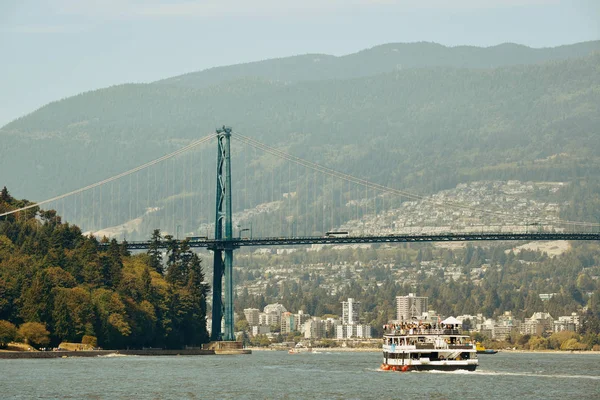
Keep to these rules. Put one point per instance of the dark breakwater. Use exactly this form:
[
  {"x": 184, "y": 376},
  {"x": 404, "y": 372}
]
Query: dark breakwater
[{"x": 97, "y": 353}]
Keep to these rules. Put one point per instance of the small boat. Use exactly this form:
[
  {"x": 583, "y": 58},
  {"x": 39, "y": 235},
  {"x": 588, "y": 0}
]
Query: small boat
[
  {"x": 422, "y": 347},
  {"x": 482, "y": 350},
  {"x": 300, "y": 348}
]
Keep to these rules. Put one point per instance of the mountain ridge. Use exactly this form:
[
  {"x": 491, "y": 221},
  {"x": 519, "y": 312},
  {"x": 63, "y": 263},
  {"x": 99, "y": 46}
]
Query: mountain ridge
[
  {"x": 420, "y": 130},
  {"x": 425, "y": 54}
]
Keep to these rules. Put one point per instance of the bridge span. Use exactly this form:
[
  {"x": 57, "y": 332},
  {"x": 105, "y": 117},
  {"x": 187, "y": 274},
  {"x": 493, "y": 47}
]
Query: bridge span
[{"x": 213, "y": 244}]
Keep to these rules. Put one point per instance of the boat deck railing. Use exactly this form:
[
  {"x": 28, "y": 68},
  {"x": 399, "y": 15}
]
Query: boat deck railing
[{"x": 422, "y": 331}]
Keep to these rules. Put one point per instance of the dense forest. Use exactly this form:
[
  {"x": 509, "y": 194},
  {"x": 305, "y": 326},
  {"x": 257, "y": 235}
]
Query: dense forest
[{"x": 57, "y": 285}]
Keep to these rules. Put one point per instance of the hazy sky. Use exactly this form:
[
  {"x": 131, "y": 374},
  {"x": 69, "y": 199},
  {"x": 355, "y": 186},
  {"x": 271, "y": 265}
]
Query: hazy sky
[{"x": 50, "y": 49}]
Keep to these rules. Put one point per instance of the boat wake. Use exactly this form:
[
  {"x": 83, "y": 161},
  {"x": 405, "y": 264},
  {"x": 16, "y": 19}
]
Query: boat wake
[
  {"x": 113, "y": 355},
  {"x": 528, "y": 374}
]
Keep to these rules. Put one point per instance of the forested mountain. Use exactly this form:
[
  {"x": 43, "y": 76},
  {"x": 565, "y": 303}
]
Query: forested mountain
[
  {"x": 381, "y": 59},
  {"x": 421, "y": 129}
]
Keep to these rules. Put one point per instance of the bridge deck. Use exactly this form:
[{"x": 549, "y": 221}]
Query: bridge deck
[{"x": 212, "y": 244}]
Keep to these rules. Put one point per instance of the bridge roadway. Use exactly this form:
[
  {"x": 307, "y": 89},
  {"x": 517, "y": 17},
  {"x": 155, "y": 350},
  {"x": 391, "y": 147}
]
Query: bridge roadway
[{"x": 212, "y": 244}]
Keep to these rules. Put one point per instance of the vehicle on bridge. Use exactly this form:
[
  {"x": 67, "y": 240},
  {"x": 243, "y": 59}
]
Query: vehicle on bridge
[
  {"x": 196, "y": 238},
  {"x": 337, "y": 234}
]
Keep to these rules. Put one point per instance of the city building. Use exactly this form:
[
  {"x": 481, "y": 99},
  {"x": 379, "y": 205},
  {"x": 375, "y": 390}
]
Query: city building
[
  {"x": 567, "y": 323},
  {"x": 350, "y": 312},
  {"x": 357, "y": 331},
  {"x": 288, "y": 323},
  {"x": 275, "y": 307},
  {"x": 271, "y": 314},
  {"x": 349, "y": 327},
  {"x": 410, "y": 307},
  {"x": 260, "y": 330},
  {"x": 300, "y": 319},
  {"x": 252, "y": 316},
  {"x": 539, "y": 323},
  {"x": 314, "y": 328}
]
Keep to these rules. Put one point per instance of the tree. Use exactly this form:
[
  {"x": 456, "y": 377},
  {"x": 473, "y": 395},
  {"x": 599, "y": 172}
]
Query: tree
[
  {"x": 91, "y": 341},
  {"x": 36, "y": 300},
  {"x": 112, "y": 265},
  {"x": 5, "y": 196},
  {"x": 146, "y": 284},
  {"x": 154, "y": 253},
  {"x": 8, "y": 332},
  {"x": 34, "y": 333},
  {"x": 73, "y": 314},
  {"x": 179, "y": 258},
  {"x": 91, "y": 271}
]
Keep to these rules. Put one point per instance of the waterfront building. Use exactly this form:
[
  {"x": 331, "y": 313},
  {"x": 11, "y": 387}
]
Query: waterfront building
[
  {"x": 272, "y": 314},
  {"x": 300, "y": 319},
  {"x": 268, "y": 319},
  {"x": 350, "y": 312},
  {"x": 288, "y": 323},
  {"x": 252, "y": 316},
  {"x": 363, "y": 331},
  {"x": 410, "y": 307},
  {"x": 501, "y": 332},
  {"x": 340, "y": 332},
  {"x": 314, "y": 328},
  {"x": 260, "y": 330},
  {"x": 487, "y": 327},
  {"x": 330, "y": 326},
  {"x": 358, "y": 331},
  {"x": 539, "y": 323},
  {"x": 567, "y": 323}
]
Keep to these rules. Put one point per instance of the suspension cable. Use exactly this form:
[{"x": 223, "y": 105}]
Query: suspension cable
[
  {"x": 114, "y": 178},
  {"x": 385, "y": 189}
]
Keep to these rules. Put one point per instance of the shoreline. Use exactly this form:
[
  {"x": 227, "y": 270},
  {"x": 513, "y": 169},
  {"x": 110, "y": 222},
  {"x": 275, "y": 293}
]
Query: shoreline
[
  {"x": 376, "y": 350},
  {"x": 325, "y": 349},
  {"x": 101, "y": 353},
  {"x": 550, "y": 351}
]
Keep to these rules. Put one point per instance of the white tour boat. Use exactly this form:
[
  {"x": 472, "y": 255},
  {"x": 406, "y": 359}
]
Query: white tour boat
[{"x": 424, "y": 346}]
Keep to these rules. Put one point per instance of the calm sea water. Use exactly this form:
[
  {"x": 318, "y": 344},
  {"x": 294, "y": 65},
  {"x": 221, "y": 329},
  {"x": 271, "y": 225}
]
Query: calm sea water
[{"x": 267, "y": 375}]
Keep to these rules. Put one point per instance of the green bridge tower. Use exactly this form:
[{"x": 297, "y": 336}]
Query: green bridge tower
[{"x": 223, "y": 266}]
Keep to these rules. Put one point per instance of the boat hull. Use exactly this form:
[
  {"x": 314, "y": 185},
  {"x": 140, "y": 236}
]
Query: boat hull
[
  {"x": 442, "y": 367},
  {"x": 431, "y": 366}
]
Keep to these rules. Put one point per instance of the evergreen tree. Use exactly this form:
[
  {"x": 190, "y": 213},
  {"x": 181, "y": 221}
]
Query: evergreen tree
[{"x": 154, "y": 253}]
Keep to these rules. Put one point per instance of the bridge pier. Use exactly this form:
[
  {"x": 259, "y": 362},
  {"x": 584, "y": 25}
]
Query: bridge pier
[
  {"x": 223, "y": 267},
  {"x": 217, "y": 301}
]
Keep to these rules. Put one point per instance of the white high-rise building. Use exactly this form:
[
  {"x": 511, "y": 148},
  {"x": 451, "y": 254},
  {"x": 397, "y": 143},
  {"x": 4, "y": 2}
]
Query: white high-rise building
[
  {"x": 363, "y": 331},
  {"x": 350, "y": 312},
  {"x": 410, "y": 306}
]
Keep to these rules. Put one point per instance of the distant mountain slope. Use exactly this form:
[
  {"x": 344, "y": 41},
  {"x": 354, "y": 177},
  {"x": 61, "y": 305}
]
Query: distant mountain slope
[
  {"x": 381, "y": 59},
  {"x": 424, "y": 129}
]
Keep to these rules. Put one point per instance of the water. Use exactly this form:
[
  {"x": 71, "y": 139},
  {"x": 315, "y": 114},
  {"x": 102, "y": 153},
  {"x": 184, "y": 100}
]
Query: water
[{"x": 325, "y": 375}]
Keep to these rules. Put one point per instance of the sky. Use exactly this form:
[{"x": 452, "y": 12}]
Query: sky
[{"x": 53, "y": 49}]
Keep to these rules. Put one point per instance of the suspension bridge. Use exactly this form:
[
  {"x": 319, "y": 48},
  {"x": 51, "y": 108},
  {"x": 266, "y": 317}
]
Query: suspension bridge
[{"x": 283, "y": 200}]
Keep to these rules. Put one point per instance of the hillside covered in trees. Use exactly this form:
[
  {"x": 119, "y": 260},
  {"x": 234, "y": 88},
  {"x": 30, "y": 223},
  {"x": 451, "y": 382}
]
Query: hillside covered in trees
[
  {"x": 58, "y": 285},
  {"x": 419, "y": 117},
  {"x": 489, "y": 279}
]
